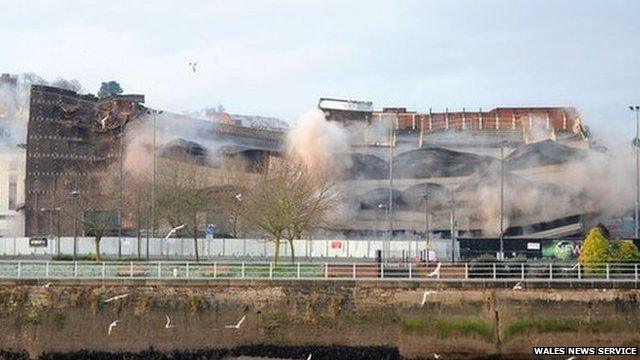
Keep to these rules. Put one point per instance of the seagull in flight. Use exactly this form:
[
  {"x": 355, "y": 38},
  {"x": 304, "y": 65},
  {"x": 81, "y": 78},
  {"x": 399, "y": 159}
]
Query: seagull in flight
[
  {"x": 424, "y": 296},
  {"x": 116, "y": 298},
  {"x": 174, "y": 230},
  {"x": 436, "y": 271},
  {"x": 193, "y": 65},
  {"x": 518, "y": 286},
  {"x": 168, "y": 324},
  {"x": 238, "y": 197},
  {"x": 571, "y": 358},
  {"x": 236, "y": 326},
  {"x": 103, "y": 122},
  {"x": 309, "y": 357},
  {"x": 112, "y": 325}
]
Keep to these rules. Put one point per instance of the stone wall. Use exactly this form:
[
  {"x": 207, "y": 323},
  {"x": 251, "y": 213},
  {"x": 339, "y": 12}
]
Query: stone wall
[{"x": 457, "y": 322}]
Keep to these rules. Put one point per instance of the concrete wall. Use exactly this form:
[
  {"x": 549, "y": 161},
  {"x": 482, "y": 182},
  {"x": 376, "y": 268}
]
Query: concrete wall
[
  {"x": 461, "y": 323},
  {"x": 210, "y": 248},
  {"x": 12, "y": 173}
]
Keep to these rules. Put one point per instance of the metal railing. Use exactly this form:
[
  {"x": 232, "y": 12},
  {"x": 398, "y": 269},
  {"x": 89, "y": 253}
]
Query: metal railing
[{"x": 443, "y": 272}]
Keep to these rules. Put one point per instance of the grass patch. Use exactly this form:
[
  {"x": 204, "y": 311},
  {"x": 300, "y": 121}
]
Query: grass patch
[
  {"x": 60, "y": 319},
  {"x": 541, "y": 325},
  {"x": 444, "y": 328}
]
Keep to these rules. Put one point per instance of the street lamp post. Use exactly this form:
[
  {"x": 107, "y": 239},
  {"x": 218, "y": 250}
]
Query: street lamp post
[
  {"x": 152, "y": 216},
  {"x": 385, "y": 243},
  {"x": 75, "y": 193},
  {"x": 121, "y": 195},
  {"x": 390, "y": 205},
  {"x": 501, "y": 254},
  {"x": 453, "y": 225},
  {"x": 51, "y": 210},
  {"x": 636, "y": 144},
  {"x": 427, "y": 229}
]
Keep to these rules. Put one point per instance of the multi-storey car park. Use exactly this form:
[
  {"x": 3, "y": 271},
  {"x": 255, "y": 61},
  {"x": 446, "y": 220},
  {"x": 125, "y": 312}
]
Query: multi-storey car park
[{"x": 410, "y": 173}]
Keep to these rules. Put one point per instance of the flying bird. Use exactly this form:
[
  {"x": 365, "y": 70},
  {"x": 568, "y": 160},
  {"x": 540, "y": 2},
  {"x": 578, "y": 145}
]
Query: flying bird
[
  {"x": 436, "y": 356},
  {"x": 238, "y": 197},
  {"x": 112, "y": 325},
  {"x": 103, "y": 121},
  {"x": 168, "y": 324},
  {"x": 116, "y": 298},
  {"x": 571, "y": 358},
  {"x": 424, "y": 296},
  {"x": 436, "y": 271},
  {"x": 518, "y": 286},
  {"x": 236, "y": 326},
  {"x": 309, "y": 357},
  {"x": 174, "y": 230},
  {"x": 193, "y": 65}
]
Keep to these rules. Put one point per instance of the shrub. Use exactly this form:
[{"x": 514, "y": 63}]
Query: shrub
[
  {"x": 624, "y": 251},
  {"x": 595, "y": 250}
]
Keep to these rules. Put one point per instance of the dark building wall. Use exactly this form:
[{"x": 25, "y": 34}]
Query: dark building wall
[{"x": 69, "y": 136}]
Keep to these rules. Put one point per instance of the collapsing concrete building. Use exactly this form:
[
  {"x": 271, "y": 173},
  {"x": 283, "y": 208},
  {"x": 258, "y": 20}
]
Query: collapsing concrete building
[
  {"x": 439, "y": 172},
  {"x": 409, "y": 172},
  {"x": 73, "y": 139},
  {"x": 69, "y": 136}
]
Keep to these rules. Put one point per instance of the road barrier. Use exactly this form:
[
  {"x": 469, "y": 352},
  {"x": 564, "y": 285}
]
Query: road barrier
[{"x": 444, "y": 272}]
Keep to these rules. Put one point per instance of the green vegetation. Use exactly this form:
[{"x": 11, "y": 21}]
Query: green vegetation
[
  {"x": 624, "y": 251},
  {"x": 595, "y": 249},
  {"x": 447, "y": 327},
  {"x": 60, "y": 319},
  {"x": 109, "y": 88},
  {"x": 540, "y": 325},
  {"x": 598, "y": 250}
]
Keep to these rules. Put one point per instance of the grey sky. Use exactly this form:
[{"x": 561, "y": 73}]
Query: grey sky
[{"x": 278, "y": 57}]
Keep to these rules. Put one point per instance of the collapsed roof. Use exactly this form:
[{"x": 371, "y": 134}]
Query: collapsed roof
[
  {"x": 431, "y": 162},
  {"x": 543, "y": 153}
]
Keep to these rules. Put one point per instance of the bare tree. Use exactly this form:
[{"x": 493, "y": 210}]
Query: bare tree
[
  {"x": 288, "y": 202},
  {"x": 181, "y": 198},
  {"x": 97, "y": 209},
  {"x": 68, "y": 84}
]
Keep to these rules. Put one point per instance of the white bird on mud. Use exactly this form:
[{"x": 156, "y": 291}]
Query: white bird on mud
[
  {"x": 118, "y": 297},
  {"x": 168, "y": 324},
  {"x": 309, "y": 357},
  {"x": 112, "y": 325},
  {"x": 236, "y": 326},
  {"x": 518, "y": 286},
  {"x": 47, "y": 285},
  {"x": 436, "y": 356},
  {"x": 424, "y": 297},
  {"x": 436, "y": 271}
]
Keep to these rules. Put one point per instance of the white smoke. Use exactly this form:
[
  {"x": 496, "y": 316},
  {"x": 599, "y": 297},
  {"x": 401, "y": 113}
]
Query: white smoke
[{"x": 318, "y": 144}]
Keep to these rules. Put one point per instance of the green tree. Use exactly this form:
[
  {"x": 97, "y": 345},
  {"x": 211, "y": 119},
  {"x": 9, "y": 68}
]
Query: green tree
[
  {"x": 624, "y": 251},
  {"x": 109, "y": 88},
  {"x": 595, "y": 250}
]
